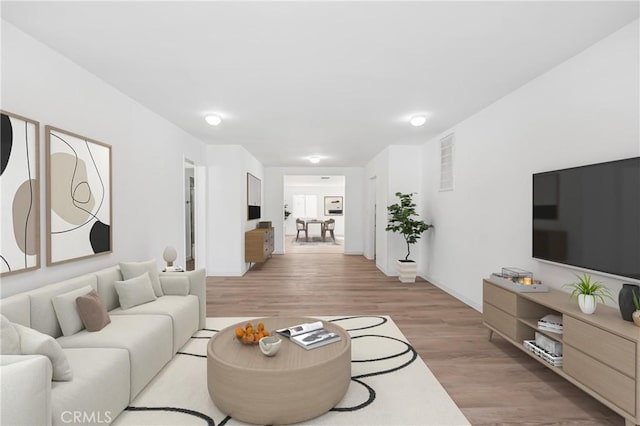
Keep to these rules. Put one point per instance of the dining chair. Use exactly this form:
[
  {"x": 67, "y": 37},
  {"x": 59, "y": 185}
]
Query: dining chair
[
  {"x": 329, "y": 225},
  {"x": 301, "y": 226}
]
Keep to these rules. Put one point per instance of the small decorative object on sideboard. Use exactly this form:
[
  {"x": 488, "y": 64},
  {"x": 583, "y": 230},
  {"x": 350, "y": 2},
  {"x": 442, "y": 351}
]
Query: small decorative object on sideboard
[
  {"x": 518, "y": 280},
  {"x": 588, "y": 292},
  {"x": 635, "y": 316},
  {"x": 625, "y": 300}
]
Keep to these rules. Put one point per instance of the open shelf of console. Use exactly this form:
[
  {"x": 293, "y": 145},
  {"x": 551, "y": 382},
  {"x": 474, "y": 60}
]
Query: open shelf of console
[{"x": 600, "y": 351}]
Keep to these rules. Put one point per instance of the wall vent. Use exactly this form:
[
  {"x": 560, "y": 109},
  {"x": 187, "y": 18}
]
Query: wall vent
[{"x": 446, "y": 163}]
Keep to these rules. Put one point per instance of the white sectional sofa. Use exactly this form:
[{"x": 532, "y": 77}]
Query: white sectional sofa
[{"x": 110, "y": 366}]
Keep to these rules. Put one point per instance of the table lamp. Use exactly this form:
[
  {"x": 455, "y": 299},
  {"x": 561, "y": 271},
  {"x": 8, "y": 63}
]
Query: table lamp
[{"x": 169, "y": 255}]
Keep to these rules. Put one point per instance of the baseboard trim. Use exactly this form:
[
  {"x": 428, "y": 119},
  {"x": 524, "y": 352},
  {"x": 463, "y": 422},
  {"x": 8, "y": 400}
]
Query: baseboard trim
[{"x": 453, "y": 293}]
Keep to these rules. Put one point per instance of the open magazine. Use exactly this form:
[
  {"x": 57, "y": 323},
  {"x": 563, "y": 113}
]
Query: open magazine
[{"x": 309, "y": 335}]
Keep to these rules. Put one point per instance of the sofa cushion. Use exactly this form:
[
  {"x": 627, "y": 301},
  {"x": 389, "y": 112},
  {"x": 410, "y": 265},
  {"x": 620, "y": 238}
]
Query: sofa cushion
[
  {"x": 92, "y": 311},
  {"x": 107, "y": 286},
  {"x": 25, "y": 390},
  {"x": 17, "y": 309},
  {"x": 99, "y": 390},
  {"x": 33, "y": 342},
  {"x": 67, "y": 311},
  {"x": 175, "y": 285},
  {"x": 197, "y": 287},
  {"x": 147, "y": 338},
  {"x": 183, "y": 311},
  {"x": 9, "y": 338},
  {"x": 43, "y": 317},
  {"x": 134, "y": 269},
  {"x": 135, "y": 291}
]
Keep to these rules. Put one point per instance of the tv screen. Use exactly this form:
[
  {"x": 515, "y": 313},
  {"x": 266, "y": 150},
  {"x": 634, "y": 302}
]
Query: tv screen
[{"x": 589, "y": 217}]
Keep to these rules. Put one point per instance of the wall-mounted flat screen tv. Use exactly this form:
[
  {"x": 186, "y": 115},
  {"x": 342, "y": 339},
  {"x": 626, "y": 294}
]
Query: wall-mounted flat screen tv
[{"x": 589, "y": 217}]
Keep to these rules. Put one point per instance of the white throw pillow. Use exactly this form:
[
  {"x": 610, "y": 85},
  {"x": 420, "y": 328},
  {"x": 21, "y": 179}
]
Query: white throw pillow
[
  {"x": 175, "y": 285},
  {"x": 9, "y": 338},
  {"x": 33, "y": 342},
  {"x": 135, "y": 291},
  {"x": 135, "y": 269},
  {"x": 67, "y": 310}
]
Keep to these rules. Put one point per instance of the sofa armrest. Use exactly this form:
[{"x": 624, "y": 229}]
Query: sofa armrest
[
  {"x": 197, "y": 287},
  {"x": 25, "y": 389}
]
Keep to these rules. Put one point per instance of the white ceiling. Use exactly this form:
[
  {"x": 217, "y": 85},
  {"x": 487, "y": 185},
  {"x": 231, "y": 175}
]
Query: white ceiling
[
  {"x": 336, "y": 79},
  {"x": 324, "y": 181}
]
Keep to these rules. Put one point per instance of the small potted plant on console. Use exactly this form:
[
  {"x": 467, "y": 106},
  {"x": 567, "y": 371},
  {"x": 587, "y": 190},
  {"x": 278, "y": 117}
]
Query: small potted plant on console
[
  {"x": 401, "y": 220},
  {"x": 588, "y": 292}
]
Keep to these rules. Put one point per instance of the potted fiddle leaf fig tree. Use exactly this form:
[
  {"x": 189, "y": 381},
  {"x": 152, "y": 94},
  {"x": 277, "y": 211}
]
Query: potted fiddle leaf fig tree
[{"x": 403, "y": 219}]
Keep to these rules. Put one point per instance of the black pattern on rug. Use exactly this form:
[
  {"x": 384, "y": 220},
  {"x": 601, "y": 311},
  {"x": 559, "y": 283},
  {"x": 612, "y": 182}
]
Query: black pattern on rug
[
  {"x": 209, "y": 420},
  {"x": 355, "y": 379}
]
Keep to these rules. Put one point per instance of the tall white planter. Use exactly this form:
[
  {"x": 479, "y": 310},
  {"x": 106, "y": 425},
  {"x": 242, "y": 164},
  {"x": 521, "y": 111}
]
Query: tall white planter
[
  {"x": 407, "y": 271},
  {"x": 587, "y": 303}
]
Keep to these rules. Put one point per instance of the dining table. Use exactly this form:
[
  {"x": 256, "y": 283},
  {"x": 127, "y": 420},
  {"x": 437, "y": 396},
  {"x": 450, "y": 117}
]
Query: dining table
[{"x": 308, "y": 222}]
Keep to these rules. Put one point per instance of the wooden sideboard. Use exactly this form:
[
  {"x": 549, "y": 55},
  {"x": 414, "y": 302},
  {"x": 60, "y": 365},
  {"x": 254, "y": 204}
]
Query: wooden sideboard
[
  {"x": 600, "y": 351},
  {"x": 258, "y": 245}
]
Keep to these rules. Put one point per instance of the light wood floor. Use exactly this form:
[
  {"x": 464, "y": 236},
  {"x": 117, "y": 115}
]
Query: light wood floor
[{"x": 491, "y": 381}]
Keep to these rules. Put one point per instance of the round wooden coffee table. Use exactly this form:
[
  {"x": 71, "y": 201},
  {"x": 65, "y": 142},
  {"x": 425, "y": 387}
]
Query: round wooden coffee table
[{"x": 294, "y": 385}]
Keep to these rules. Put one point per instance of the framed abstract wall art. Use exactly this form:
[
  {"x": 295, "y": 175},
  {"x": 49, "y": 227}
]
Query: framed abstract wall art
[
  {"x": 20, "y": 193},
  {"x": 78, "y": 197},
  {"x": 333, "y": 206},
  {"x": 254, "y": 190}
]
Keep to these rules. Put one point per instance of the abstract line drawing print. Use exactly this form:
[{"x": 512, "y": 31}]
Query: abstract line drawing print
[
  {"x": 78, "y": 196},
  {"x": 20, "y": 193}
]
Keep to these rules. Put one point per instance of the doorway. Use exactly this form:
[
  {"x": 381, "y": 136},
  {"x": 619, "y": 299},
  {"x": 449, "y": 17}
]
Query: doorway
[
  {"x": 189, "y": 215},
  {"x": 319, "y": 202}
]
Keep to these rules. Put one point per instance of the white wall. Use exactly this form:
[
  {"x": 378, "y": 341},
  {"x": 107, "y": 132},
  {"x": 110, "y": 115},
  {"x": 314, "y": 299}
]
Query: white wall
[
  {"x": 320, "y": 192},
  {"x": 353, "y": 206},
  {"x": 227, "y": 207},
  {"x": 583, "y": 111},
  {"x": 147, "y": 154},
  {"x": 398, "y": 168}
]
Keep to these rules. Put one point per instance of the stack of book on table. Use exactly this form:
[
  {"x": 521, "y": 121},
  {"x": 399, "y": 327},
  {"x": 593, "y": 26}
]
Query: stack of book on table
[
  {"x": 552, "y": 323},
  {"x": 309, "y": 335}
]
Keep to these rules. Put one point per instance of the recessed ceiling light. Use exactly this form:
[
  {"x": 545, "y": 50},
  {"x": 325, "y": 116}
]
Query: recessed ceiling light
[
  {"x": 213, "y": 119},
  {"x": 315, "y": 159},
  {"x": 418, "y": 120}
]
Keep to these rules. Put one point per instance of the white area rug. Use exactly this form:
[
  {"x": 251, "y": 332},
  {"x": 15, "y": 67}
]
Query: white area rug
[
  {"x": 390, "y": 384},
  {"x": 317, "y": 241}
]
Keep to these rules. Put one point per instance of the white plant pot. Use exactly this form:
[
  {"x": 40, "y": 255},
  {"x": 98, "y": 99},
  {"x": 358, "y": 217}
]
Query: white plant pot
[
  {"x": 587, "y": 303},
  {"x": 407, "y": 271}
]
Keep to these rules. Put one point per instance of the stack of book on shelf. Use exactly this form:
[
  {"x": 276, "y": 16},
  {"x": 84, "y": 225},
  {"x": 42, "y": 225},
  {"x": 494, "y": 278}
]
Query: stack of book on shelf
[
  {"x": 552, "y": 323},
  {"x": 546, "y": 348},
  {"x": 309, "y": 335}
]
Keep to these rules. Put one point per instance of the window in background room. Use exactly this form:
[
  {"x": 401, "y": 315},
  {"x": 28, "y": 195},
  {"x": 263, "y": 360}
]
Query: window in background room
[{"x": 305, "y": 206}]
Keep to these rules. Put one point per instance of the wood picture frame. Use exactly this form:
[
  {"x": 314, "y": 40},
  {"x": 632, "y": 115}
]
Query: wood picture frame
[
  {"x": 79, "y": 197},
  {"x": 20, "y": 193},
  {"x": 254, "y": 197}
]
